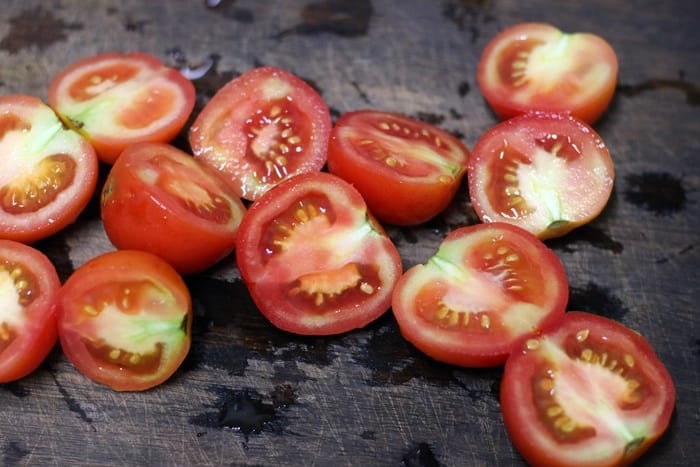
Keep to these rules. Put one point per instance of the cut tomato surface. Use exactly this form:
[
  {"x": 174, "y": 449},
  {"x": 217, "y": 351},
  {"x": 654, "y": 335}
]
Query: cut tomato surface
[
  {"x": 486, "y": 287},
  {"x": 588, "y": 391},
  {"x": 116, "y": 99},
  {"x": 261, "y": 128},
  {"x": 158, "y": 198},
  {"x": 536, "y": 66},
  {"x": 314, "y": 260},
  {"x": 125, "y": 320},
  {"x": 29, "y": 286},
  {"x": 406, "y": 170},
  {"x": 547, "y": 173},
  {"x": 47, "y": 173}
]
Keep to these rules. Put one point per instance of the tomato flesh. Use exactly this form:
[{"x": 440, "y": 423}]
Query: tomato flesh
[
  {"x": 586, "y": 391},
  {"x": 485, "y": 287},
  {"x": 314, "y": 260}
]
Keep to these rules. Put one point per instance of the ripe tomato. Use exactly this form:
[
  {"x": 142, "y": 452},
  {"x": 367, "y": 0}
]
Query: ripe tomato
[
  {"x": 486, "y": 286},
  {"x": 158, "y": 198},
  {"x": 587, "y": 392},
  {"x": 261, "y": 128},
  {"x": 416, "y": 168},
  {"x": 47, "y": 173},
  {"x": 125, "y": 320},
  {"x": 29, "y": 287},
  {"x": 547, "y": 173},
  {"x": 116, "y": 100},
  {"x": 535, "y": 66},
  {"x": 314, "y": 260}
]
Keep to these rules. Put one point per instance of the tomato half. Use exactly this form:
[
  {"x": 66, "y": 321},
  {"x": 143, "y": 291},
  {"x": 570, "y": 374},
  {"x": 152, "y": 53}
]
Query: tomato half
[
  {"x": 535, "y": 66},
  {"x": 314, "y": 260},
  {"x": 407, "y": 171},
  {"x": 116, "y": 100},
  {"x": 261, "y": 128},
  {"x": 547, "y": 173},
  {"x": 47, "y": 173},
  {"x": 486, "y": 286},
  {"x": 587, "y": 392},
  {"x": 29, "y": 287},
  {"x": 158, "y": 198},
  {"x": 125, "y": 320}
]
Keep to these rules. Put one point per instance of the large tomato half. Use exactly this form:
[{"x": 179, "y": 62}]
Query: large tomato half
[
  {"x": 47, "y": 173},
  {"x": 486, "y": 286},
  {"x": 29, "y": 288},
  {"x": 125, "y": 320},
  {"x": 586, "y": 392},
  {"x": 535, "y": 66},
  {"x": 314, "y": 260},
  {"x": 407, "y": 170},
  {"x": 547, "y": 173},
  {"x": 116, "y": 100},
  {"x": 158, "y": 198},
  {"x": 261, "y": 128}
]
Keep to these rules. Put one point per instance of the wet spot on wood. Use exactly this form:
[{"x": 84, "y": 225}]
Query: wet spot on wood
[
  {"x": 363, "y": 95},
  {"x": 463, "y": 88},
  {"x": 691, "y": 90},
  {"x": 596, "y": 299},
  {"x": 346, "y": 18},
  {"x": 369, "y": 435},
  {"x": 590, "y": 234},
  {"x": 679, "y": 252},
  {"x": 72, "y": 404},
  {"x": 135, "y": 25},
  {"x": 658, "y": 192},
  {"x": 36, "y": 27},
  {"x": 14, "y": 453},
  {"x": 228, "y": 9},
  {"x": 57, "y": 250},
  {"x": 420, "y": 455},
  {"x": 469, "y": 15},
  {"x": 16, "y": 388},
  {"x": 430, "y": 118}
]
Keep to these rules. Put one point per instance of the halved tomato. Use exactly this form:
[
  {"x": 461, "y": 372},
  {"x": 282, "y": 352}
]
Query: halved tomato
[
  {"x": 47, "y": 173},
  {"x": 314, "y": 260},
  {"x": 588, "y": 391},
  {"x": 547, "y": 173},
  {"x": 486, "y": 286},
  {"x": 125, "y": 320},
  {"x": 29, "y": 287},
  {"x": 535, "y": 66},
  {"x": 261, "y": 128},
  {"x": 407, "y": 171},
  {"x": 116, "y": 100},
  {"x": 158, "y": 198}
]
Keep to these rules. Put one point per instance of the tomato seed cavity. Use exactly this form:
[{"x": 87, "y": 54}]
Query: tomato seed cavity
[{"x": 33, "y": 191}]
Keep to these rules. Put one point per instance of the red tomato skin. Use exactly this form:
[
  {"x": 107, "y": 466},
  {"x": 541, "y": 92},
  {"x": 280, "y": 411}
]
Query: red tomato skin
[
  {"x": 520, "y": 416},
  {"x": 141, "y": 215},
  {"x": 266, "y": 285},
  {"x": 221, "y": 138},
  {"x": 111, "y": 141},
  {"x": 38, "y": 122},
  {"x": 35, "y": 341},
  {"x": 559, "y": 97},
  {"x": 392, "y": 196},
  {"x": 104, "y": 271}
]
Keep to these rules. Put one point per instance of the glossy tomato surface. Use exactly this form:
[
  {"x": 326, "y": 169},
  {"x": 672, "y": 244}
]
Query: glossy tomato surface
[
  {"x": 116, "y": 100},
  {"x": 261, "y": 128},
  {"x": 314, "y": 260},
  {"x": 47, "y": 173},
  {"x": 158, "y": 198},
  {"x": 29, "y": 288},
  {"x": 125, "y": 320},
  {"x": 547, "y": 173},
  {"x": 406, "y": 170},
  {"x": 536, "y": 66},
  {"x": 587, "y": 392},
  {"x": 485, "y": 287}
]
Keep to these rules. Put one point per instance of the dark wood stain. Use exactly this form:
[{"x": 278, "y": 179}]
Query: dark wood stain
[
  {"x": 36, "y": 27},
  {"x": 597, "y": 299},
  {"x": 691, "y": 90},
  {"x": 346, "y": 18},
  {"x": 469, "y": 14},
  {"x": 420, "y": 455},
  {"x": 658, "y": 192},
  {"x": 14, "y": 453},
  {"x": 588, "y": 233}
]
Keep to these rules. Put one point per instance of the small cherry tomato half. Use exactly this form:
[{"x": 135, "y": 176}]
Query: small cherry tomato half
[
  {"x": 485, "y": 287},
  {"x": 158, "y": 198},
  {"x": 116, "y": 100},
  {"x": 125, "y": 320},
  {"x": 547, "y": 173},
  {"x": 407, "y": 171},
  {"x": 315, "y": 262},
  {"x": 47, "y": 173},
  {"x": 261, "y": 128},
  {"x": 588, "y": 391},
  {"x": 29, "y": 286},
  {"x": 535, "y": 66}
]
